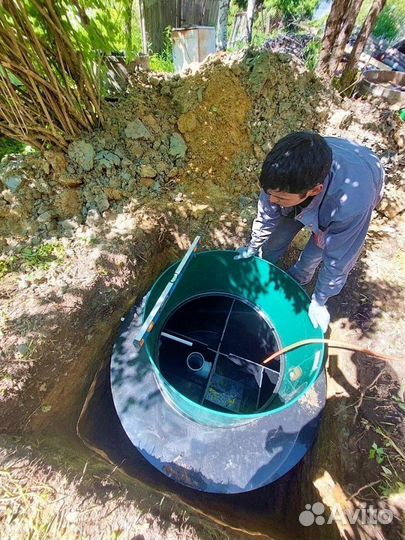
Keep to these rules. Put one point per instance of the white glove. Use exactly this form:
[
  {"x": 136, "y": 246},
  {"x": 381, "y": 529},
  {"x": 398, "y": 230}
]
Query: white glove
[
  {"x": 245, "y": 253},
  {"x": 319, "y": 315}
]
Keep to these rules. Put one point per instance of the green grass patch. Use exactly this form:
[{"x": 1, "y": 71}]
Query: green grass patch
[
  {"x": 33, "y": 258},
  {"x": 10, "y": 146}
]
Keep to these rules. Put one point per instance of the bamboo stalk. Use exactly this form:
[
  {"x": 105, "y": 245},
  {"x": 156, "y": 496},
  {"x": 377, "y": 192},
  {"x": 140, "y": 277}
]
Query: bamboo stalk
[{"x": 59, "y": 96}]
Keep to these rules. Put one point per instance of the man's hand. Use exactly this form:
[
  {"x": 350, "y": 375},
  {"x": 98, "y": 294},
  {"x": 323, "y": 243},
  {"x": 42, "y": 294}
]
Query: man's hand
[
  {"x": 319, "y": 315},
  {"x": 245, "y": 253}
]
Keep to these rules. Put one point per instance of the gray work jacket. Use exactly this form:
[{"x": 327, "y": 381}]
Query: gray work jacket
[{"x": 339, "y": 216}]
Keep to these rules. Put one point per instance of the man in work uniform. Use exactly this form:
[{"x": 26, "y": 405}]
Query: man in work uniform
[{"x": 329, "y": 185}]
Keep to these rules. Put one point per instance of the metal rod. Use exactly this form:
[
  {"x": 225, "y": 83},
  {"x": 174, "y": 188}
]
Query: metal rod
[{"x": 175, "y": 338}]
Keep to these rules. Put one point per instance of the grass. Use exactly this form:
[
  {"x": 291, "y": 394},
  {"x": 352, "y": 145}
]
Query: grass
[
  {"x": 10, "y": 146},
  {"x": 33, "y": 258},
  {"x": 160, "y": 63},
  {"x": 311, "y": 53}
]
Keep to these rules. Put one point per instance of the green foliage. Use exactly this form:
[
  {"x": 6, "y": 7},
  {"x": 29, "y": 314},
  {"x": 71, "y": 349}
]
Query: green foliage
[
  {"x": 390, "y": 21},
  {"x": 10, "y": 146},
  {"x": 377, "y": 453},
  {"x": 389, "y": 489},
  {"x": 311, "y": 54},
  {"x": 33, "y": 258},
  {"x": 295, "y": 10},
  {"x": 164, "y": 60}
]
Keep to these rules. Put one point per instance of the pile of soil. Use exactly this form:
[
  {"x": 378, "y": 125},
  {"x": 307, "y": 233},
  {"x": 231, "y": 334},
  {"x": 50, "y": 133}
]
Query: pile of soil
[{"x": 212, "y": 127}]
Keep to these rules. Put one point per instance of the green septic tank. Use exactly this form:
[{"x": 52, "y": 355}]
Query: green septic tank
[{"x": 229, "y": 316}]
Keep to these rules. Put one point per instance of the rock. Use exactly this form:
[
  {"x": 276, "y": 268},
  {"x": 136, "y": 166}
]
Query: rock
[
  {"x": 23, "y": 284},
  {"x": 93, "y": 217},
  {"x": 68, "y": 203},
  {"x": 69, "y": 180},
  {"x": 113, "y": 194},
  {"x": 137, "y": 130},
  {"x": 152, "y": 122},
  {"x": 147, "y": 182},
  {"x": 23, "y": 349},
  {"x": 178, "y": 146},
  {"x": 393, "y": 201},
  {"x": 82, "y": 153},
  {"x": 45, "y": 217},
  {"x": 107, "y": 159},
  {"x": 147, "y": 171},
  {"x": 341, "y": 118},
  {"x": 68, "y": 225},
  {"x": 135, "y": 149},
  {"x": 102, "y": 202},
  {"x": 13, "y": 182},
  {"x": 57, "y": 161},
  {"x": 187, "y": 122}
]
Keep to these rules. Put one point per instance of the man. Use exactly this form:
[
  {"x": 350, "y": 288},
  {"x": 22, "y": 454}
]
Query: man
[{"x": 328, "y": 185}]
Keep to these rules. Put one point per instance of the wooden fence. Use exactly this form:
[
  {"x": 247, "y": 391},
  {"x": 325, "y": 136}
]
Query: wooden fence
[{"x": 159, "y": 14}]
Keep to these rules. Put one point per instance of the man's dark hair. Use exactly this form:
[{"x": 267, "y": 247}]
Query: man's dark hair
[{"x": 297, "y": 163}]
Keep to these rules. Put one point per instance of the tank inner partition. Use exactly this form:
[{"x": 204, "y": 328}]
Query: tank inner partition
[{"x": 233, "y": 339}]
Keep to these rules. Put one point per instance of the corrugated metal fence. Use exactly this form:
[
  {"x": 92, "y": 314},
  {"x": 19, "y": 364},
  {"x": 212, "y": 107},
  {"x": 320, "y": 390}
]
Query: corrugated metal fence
[{"x": 159, "y": 14}]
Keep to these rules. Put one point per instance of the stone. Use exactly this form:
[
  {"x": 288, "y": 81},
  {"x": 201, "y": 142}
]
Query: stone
[
  {"x": 82, "y": 154},
  {"x": 57, "y": 160},
  {"x": 23, "y": 284},
  {"x": 135, "y": 149},
  {"x": 69, "y": 180},
  {"x": 107, "y": 159},
  {"x": 137, "y": 130},
  {"x": 68, "y": 225},
  {"x": 147, "y": 171},
  {"x": 23, "y": 349},
  {"x": 152, "y": 122},
  {"x": 45, "y": 217},
  {"x": 113, "y": 194},
  {"x": 187, "y": 122},
  {"x": 341, "y": 118},
  {"x": 93, "y": 217},
  {"x": 102, "y": 202},
  {"x": 68, "y": 203},
  {"x": 147, "y": 182},
  {"x": 13, "y": 182},
  {"x": 178, "y": 146}
]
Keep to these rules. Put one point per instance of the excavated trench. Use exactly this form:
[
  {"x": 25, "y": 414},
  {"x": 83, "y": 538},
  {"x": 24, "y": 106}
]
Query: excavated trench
[{"x": 199, "y": 370}]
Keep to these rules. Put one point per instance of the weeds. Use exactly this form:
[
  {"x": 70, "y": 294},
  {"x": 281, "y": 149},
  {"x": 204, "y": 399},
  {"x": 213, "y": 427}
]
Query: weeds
[
  {"x": 32, "y": 258},
  {"x": 377, "y": 453},
  {"x": 311, "y": 54},
  {"x": 163, "y": 62}
]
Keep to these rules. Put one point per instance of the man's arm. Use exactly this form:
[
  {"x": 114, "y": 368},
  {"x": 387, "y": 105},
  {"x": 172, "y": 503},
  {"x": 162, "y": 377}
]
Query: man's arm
[
  {"x": 267, "y": 219},
  {"x": 342, "y": 248}
]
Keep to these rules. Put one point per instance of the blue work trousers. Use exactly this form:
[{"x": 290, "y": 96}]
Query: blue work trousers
[{"x": 274, "y": 248}]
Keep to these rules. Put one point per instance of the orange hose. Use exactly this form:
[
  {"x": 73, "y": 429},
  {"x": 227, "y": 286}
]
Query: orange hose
[{"x": 333, "y": 344}]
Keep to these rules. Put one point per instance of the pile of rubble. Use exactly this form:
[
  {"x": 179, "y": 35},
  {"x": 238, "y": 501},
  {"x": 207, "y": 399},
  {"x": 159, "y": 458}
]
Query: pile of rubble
[{"x": 206, "y": 130}]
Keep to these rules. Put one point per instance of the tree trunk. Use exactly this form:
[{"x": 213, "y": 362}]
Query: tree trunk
[
  {"x": 350, "y": 71},
  {"x": 128, "y": 28},
  {"x": 332, "y": 29},
  {"x": 249, "y": 19},
  {"x": 344, "y": 36},
  {"x": 222, "y": 25}
]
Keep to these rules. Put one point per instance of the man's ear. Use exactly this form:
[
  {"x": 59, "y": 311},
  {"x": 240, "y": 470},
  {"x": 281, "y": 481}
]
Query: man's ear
[{"x": 316, "y": 190}]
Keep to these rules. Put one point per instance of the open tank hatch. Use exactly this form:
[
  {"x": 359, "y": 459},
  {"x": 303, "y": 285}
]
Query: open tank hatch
[
  {"x": 211, "y": 349},
  {"x": 187, "y": 381}
]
